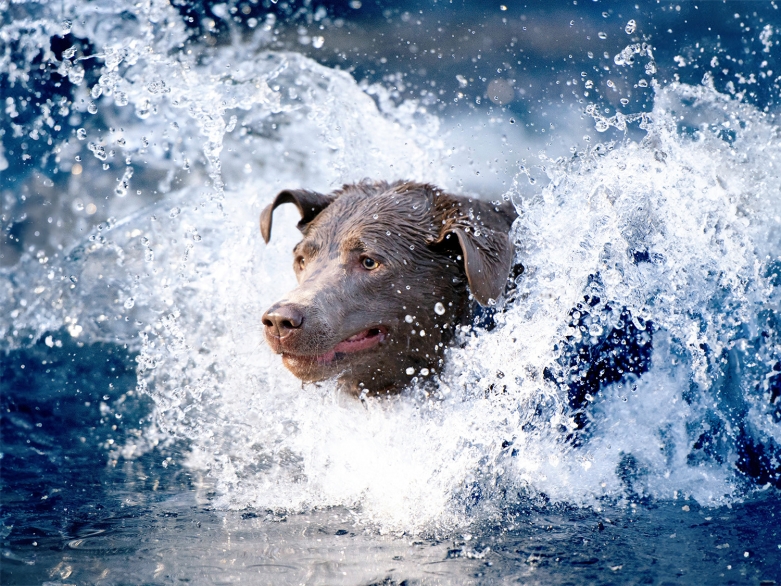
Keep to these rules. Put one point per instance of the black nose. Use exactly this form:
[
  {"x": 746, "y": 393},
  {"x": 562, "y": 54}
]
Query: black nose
[{"x": 283, "y": 320}]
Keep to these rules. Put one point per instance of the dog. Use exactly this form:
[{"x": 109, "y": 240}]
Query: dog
[{"x": 386, "y": 273}]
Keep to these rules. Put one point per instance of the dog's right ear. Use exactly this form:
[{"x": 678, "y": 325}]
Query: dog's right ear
[
  {"x": 309, "y": 204},
  {"x": 481, "y": 230}
]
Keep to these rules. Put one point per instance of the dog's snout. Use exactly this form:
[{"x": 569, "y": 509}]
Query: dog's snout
[{"x": 283, "y": 320}]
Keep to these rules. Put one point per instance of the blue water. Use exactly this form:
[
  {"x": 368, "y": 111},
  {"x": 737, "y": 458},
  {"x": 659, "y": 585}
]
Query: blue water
[{"x": 620, "y": 420}]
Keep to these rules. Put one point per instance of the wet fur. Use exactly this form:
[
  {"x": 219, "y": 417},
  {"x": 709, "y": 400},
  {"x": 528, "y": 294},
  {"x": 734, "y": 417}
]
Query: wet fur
[{"x": 430, "y": 246}]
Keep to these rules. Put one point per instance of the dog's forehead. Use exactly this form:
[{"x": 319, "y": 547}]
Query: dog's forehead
[
  {"x": 394, "y": 201},
  {"x": 356, "y": 214}
]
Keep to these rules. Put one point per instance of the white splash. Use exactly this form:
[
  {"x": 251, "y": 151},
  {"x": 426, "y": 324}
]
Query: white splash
[
  {"x": 186, "y": 281},
  {"x": 704, "y": 208}
]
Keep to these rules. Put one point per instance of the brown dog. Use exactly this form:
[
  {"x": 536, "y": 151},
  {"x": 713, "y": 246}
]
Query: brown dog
[{"x": 383, "y": 272}]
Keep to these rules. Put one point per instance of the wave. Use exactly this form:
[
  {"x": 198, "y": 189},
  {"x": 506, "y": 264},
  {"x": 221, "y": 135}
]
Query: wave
[{"x": 676, "y": 233}]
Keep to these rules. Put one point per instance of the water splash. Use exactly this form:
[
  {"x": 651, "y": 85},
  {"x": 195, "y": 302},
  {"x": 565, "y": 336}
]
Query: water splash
[{"x": 681, "y": 230}]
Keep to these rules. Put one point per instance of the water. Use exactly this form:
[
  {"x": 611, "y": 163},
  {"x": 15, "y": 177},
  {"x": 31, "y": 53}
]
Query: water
[{"x": 149, "y": 436}]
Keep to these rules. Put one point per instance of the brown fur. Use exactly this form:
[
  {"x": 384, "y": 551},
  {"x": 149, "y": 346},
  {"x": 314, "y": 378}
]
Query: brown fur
[{"x": 428, "y": 244}]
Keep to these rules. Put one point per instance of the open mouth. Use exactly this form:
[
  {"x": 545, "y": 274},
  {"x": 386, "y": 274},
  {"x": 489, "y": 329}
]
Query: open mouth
[{"x": 363, "y": 340}]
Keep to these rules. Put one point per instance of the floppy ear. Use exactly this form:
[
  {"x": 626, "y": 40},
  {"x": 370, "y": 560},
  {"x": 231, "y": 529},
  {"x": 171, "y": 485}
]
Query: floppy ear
[
  {"x": 309, "y": 204},
  {"x": 485, "y": 245}
]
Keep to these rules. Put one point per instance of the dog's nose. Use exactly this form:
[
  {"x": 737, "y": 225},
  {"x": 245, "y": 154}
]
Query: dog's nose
[{"x": 282, "y": 320}]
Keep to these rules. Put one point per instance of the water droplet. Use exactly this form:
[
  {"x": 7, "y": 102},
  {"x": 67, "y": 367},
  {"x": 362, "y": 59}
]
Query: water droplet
[
  {"x": 631, "y": 27},
  {"x": 422, "y": 333},
  {"x": 407, "y": 287},
  {"x": 81, "y": 134},
  {"x": 424, "y": 372},
  {"x": 157, "y": 87},
  {"x": 439, "y": 309},
  {"x": 96, "y": 91},
  {"x": 410, "y": 371},
  {"x": 512, "y": 120},
  {"x": 92, "y": 108},
  {"x": 375, "y": 216},
  {"x": 67, "y": 25},
  {"x": 76, "y": 74},
  {"x": 409, "y": 319},
  {"x": 174, "y": 212},
  {"x": 129, "y": 303},
  {"x": 602, "y": 36}
]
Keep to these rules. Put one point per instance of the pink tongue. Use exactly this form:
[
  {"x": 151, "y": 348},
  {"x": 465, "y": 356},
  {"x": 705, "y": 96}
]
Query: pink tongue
[{"x": 359, "y": 341}]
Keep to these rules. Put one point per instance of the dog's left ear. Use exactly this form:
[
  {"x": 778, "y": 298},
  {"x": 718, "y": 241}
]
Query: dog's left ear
[
  {"x": 309, "y": 203},
  {"x": 482, "y": 234}
]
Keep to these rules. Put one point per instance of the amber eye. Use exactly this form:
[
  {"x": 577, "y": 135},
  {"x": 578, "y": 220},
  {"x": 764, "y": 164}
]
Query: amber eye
[
  {"x": 369, "y": 263},
  {"x": 301, "y": 263}
]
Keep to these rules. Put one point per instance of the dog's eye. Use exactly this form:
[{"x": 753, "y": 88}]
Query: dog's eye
[
  {"x": 369, "y": 263},
  {"x": 301, "y": 262}
]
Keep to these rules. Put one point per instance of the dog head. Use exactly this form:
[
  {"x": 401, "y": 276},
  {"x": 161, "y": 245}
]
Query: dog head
[{"x": 382, "y": 274}]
